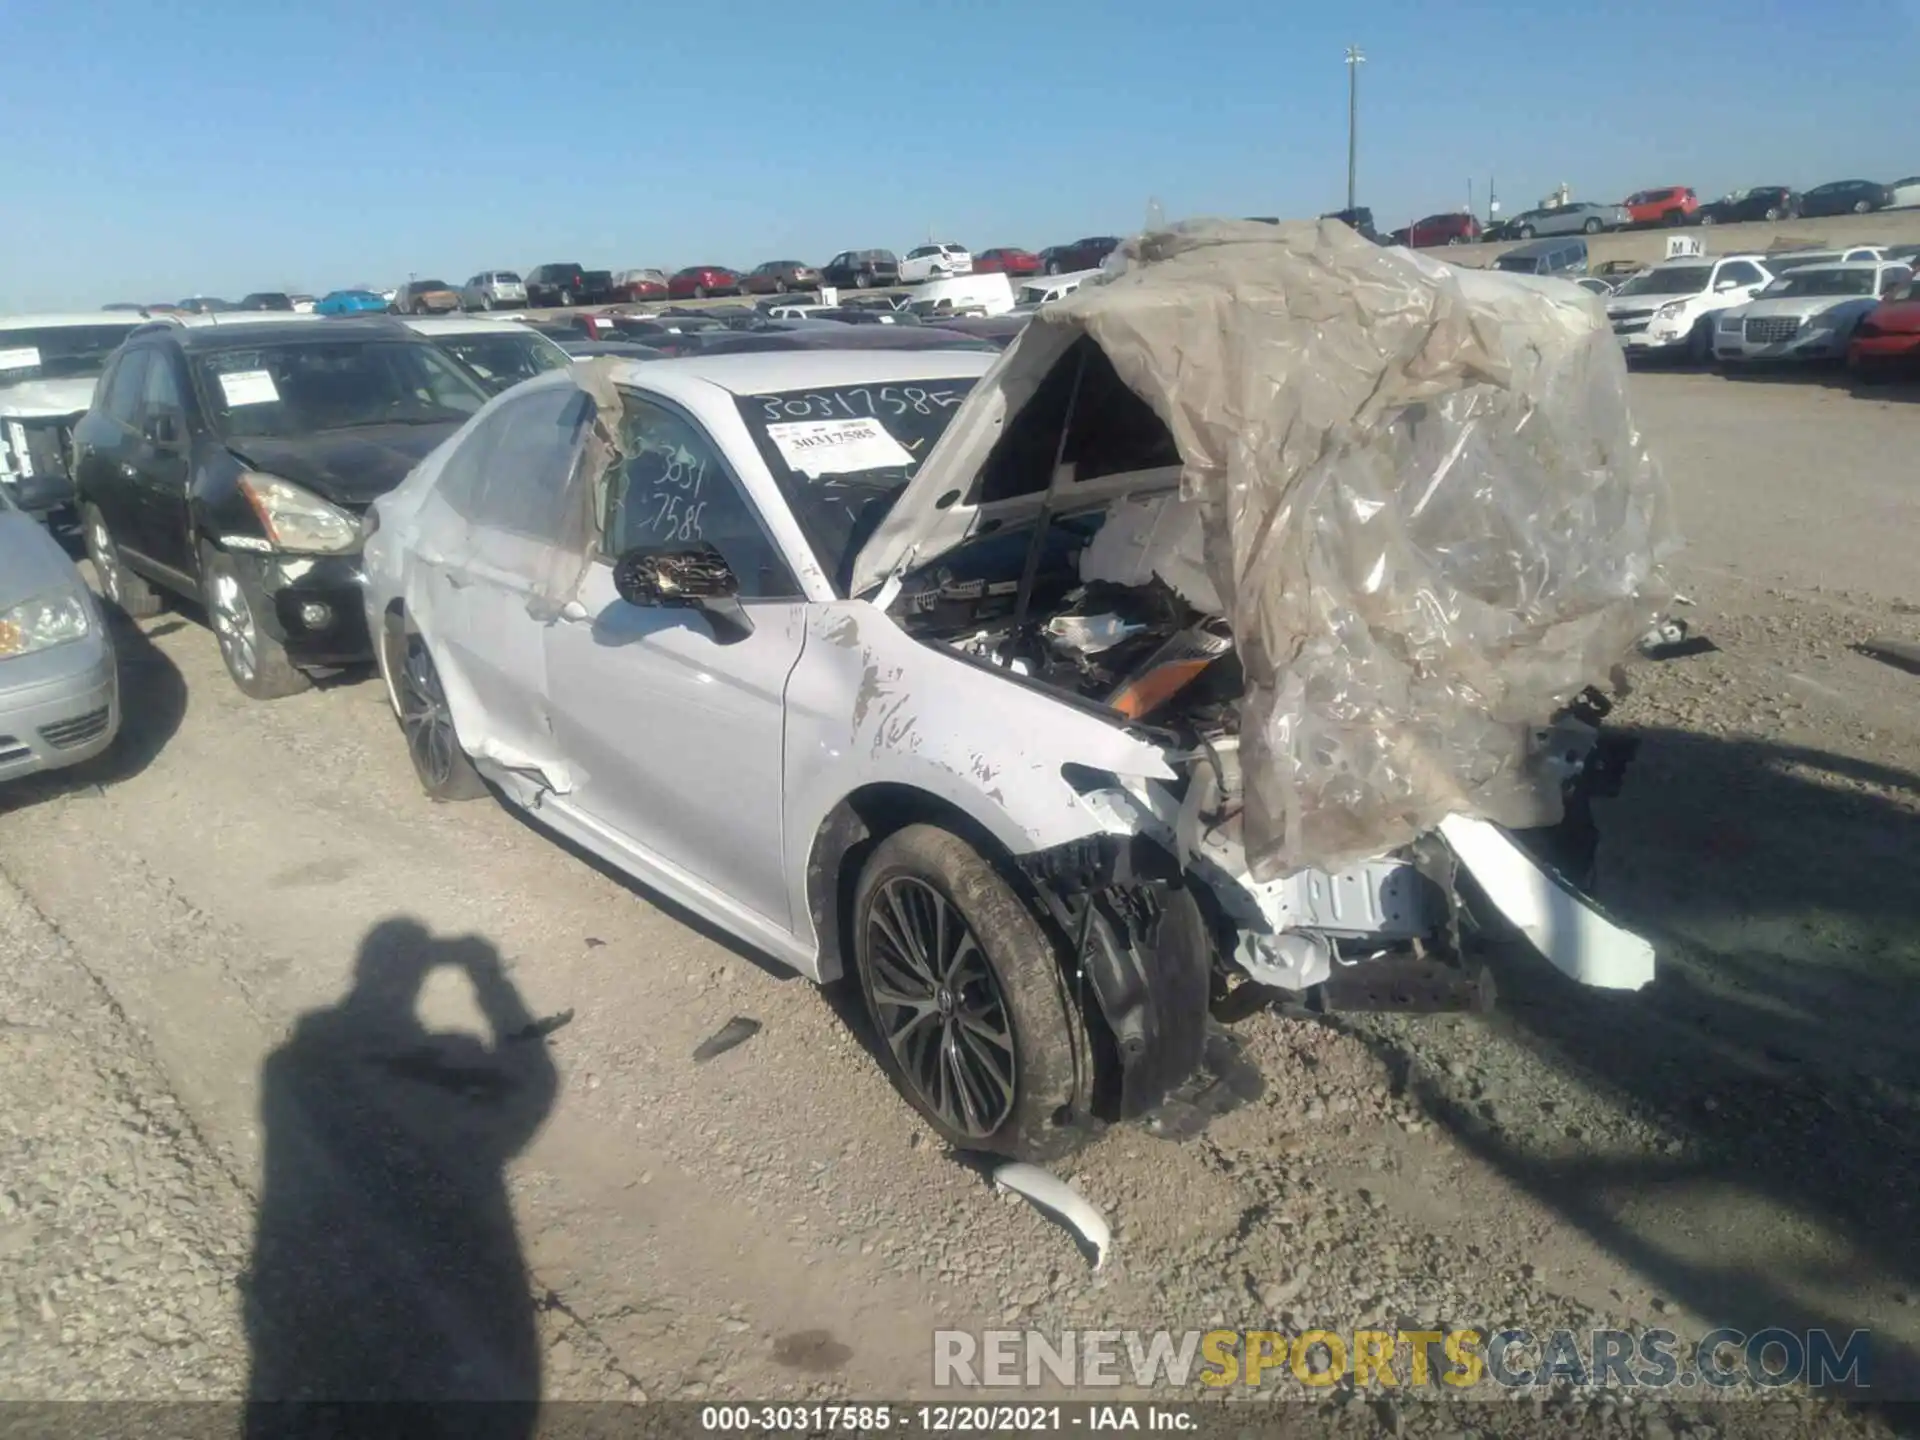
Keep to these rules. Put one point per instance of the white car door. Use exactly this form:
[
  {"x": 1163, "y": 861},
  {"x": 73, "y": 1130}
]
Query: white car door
[
  {"x": 672, "y": 731},
  {"x": 529, "y": 455}
]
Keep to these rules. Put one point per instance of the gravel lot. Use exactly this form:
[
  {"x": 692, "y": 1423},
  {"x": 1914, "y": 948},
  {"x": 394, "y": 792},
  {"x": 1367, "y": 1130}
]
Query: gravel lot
[{"x": 249, "y": 978}]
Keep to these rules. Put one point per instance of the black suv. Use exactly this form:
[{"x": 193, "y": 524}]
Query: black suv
[
  {"x": 568, "y": 284},
  {"x": 232, "y": 464},
  {"x": 861, "y": 269}
]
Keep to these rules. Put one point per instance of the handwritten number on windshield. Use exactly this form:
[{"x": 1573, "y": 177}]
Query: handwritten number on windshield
[{"x": 857, "y": 403}]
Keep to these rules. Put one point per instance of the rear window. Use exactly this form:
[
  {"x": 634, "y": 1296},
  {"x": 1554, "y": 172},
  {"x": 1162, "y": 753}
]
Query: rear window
[
  {"x": 58, "y": 352},
  {"x": 506, "y": 277},
  {"x": 431, "y": 285},
  {"x": 842, "y": 454}
]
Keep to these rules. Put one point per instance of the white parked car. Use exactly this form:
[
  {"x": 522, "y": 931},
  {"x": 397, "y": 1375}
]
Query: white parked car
[
  {"x": 497, "y": 353},
  {"x": 935, "y": 262},
  {"x": 1807, "y": 314},
  {"x": 758, "y": 656},
  {"x": 1670, "y": 308},
  {"x": 1906, "y": 193},
  {"x": 1041, "y": 291},
  {"x": 48, "y": 366},
  {"x": 1779, "y": 262}
]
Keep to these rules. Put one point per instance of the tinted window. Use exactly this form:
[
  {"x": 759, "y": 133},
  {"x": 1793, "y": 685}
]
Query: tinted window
[
  {"x": 58, "y": 352},
  {"x": 502, "y": 360},
  {"x": 1113, "y": 431},
  {"x": 673, "y": 489},
  {"x": 1741, "y": 273},
  {"x": 506, "y": 277},
  {"x": 162, "y": 391},
  {"x": 843, "y": 500},
  {"x": 296, "y": 388},
  {"x": 122, "y": 400}
]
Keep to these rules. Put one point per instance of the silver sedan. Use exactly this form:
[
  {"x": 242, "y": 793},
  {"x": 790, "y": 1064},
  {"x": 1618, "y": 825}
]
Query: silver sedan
[
  {"x": 59, "y": 690},
  {"x": 1577, "y": 218}
]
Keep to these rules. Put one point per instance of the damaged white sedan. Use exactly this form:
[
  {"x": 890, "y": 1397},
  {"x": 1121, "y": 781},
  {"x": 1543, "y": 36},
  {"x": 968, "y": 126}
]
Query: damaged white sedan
[{"x": 1212, "y": 642}]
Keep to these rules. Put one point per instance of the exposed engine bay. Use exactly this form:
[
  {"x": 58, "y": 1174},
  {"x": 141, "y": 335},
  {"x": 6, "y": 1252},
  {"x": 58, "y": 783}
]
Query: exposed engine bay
[{"x": 1151, "y": 659}]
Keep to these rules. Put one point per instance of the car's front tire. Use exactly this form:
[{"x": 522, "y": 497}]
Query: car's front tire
[
  {"x": 120, "y": 585},
  {"x": 969, "y": 1000},
  {"x": 1592, "y": 227},
  {"x": 440, "y": 763},
  {"x": 1861, "y": 207},
  {"x": 699, "y": 292},
  {"x": 257, "y": 663}
]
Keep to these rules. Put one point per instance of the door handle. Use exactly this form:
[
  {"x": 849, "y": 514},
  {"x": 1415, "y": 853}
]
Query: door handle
[{"x": 574, "y": 612}]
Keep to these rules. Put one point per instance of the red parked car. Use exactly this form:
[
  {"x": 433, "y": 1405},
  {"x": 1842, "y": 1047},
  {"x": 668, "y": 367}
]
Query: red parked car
[
  {"x": 1443, "y": 230},
  {"x": 1669, "y": 205},
  {"x": 1888, "y": 336},
  {"x": 696, "y": 282},
  {"x": 1006, "y": 261}
]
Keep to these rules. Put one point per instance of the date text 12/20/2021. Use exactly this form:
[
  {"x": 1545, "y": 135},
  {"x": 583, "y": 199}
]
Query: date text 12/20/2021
[{"x": 944, "y": 1419}]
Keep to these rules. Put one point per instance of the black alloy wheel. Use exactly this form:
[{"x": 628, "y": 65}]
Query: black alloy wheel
[{"x": 441, "y": 764}]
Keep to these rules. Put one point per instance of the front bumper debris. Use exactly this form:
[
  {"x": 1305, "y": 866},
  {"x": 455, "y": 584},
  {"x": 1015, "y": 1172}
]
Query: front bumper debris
[{"x": 316, "y": 605}]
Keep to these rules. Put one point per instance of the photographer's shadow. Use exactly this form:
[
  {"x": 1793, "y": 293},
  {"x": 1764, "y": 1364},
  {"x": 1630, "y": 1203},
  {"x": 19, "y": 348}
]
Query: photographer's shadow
[{"x": 386, "y": 1263}]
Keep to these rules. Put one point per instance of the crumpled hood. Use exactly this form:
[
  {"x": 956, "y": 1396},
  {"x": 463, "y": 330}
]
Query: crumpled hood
[
  {"x": 349, "y": 467},
  {"x": 31, "y": 563},
  {"x": 38, "y": 399}
]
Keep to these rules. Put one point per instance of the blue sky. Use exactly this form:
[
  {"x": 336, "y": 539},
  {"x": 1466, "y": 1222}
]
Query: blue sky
[{"x": 163, "y": 148}]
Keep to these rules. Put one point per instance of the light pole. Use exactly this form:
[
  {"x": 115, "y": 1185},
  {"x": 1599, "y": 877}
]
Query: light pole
[{"x": 1354, "y": 61}]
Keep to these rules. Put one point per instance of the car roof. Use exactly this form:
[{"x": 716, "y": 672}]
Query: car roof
[
  {"x": 62, "y": 320},
  {"x": 769, "y": 371},
  {"x": 464, "y": 325},
  {"x": 281, "y": 330}
]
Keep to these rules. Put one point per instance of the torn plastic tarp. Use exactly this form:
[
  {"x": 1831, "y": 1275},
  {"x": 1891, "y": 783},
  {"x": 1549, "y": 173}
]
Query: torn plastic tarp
[{"x": 1422, "y": 497}]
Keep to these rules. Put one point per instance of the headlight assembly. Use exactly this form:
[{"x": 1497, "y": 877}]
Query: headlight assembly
[{"x": 43, "y": 622}]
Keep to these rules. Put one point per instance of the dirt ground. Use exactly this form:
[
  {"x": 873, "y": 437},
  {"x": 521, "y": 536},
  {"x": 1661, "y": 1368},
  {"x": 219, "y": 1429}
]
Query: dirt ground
[{"x": 221, "y": 1129}]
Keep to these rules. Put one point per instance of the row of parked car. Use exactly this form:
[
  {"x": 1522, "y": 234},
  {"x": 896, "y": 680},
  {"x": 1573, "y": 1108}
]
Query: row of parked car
[
  {"x": 1665, "y": 205},
  {"x": 788, "y": 633},
  {"x": 564, "y": 284}
]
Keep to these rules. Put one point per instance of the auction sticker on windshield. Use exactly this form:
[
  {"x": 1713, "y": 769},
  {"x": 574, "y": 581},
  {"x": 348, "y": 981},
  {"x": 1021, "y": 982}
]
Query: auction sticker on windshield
[
  {"x": 249, "y": 387},
  {"x": 837, "y": 447},
  {"x": 26, "y": 357}
]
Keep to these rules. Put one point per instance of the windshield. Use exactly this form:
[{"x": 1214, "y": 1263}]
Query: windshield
[
  {"x": 1822, "y": 282},
  {"x": 502, "y": 360},
  {"x": 297, "y": 388},
  {"x": 62, "y": 352},
  {"x": 841, "y": 455},
  {"x": 1681, "y": 280}
]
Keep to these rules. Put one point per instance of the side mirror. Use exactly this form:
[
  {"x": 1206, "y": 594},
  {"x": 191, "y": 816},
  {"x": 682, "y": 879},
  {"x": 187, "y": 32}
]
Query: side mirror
[{"x": 692, "y": 577}]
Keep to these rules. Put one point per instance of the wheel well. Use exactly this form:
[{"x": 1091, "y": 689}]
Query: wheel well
[
  {"x": 393, "y": 646},
  {"x": 848, "y": 835}
]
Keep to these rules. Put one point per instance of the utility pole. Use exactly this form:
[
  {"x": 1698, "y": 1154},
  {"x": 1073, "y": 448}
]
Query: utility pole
[{"x": 1354, "y": 61}]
